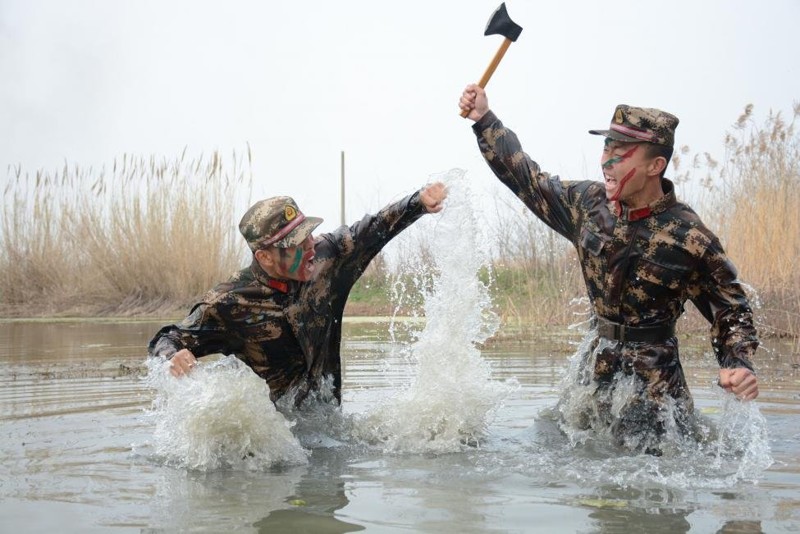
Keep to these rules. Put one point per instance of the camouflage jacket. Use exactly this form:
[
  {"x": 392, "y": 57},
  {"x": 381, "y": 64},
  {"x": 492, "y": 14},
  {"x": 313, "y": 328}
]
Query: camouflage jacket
[
  {"x": 289, "y": 332},
  {"x": 639, "y": 266}
]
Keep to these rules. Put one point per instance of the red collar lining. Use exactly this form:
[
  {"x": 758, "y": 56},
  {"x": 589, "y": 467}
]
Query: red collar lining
[
  {"x": 641, "y": 213},
  {"x": 633, "y": 215},
  {"x": 277, "y": 285}
]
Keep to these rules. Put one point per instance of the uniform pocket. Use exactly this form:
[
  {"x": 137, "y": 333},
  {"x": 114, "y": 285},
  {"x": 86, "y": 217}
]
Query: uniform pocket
[
  {"x": 671, "y": 276},
  {"x": 592, "y": 242},
  {"x": 725, "y": 274}
]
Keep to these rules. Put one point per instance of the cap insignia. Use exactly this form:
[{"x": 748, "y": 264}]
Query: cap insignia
[
  {"x": 289, "y": 212},
  {"x": 618, "y": 118}
]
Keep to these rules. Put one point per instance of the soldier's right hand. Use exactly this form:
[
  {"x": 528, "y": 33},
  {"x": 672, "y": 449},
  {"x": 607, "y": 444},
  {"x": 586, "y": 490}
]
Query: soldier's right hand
[
  {"x": 474, "y": 100},
  {"x": 181, "y": 363},
  {"x": 740, "y": 381}
]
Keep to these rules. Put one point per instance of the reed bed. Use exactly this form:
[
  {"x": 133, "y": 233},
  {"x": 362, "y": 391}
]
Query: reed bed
[
  {"x": 145, "y": 236},
  {"x": 148, "y": 236},
  {"x": 536, "y": 275},
  {"x": 757, "y": 211}
]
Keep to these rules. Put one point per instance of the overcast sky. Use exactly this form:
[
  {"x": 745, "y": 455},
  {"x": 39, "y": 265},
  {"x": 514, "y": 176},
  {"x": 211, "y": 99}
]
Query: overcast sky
[{"x": 85, "y": 81}]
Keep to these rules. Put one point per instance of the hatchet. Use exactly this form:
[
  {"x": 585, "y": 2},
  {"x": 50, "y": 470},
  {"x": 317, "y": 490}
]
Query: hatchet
[{"x": 499, "y": 24}]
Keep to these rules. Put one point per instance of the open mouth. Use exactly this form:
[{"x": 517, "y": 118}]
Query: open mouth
[
  {"x": 619, "y": 186},
  {"x": 308, "y": 261}
]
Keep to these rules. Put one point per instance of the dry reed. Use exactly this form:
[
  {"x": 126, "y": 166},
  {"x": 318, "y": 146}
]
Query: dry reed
[
  {"x": 148, "y": 235},
  {"x": 151, "y": 235},
  {"x": 536, "y": 275},
  {"x": 757, "y": 210}
]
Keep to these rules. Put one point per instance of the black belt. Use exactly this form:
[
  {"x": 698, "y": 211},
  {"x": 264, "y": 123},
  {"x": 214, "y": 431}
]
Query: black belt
[{"x": 621, "y": 332}]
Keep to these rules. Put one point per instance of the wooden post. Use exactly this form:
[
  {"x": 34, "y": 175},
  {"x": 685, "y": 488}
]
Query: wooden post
[{"x": 342, "y": 191}]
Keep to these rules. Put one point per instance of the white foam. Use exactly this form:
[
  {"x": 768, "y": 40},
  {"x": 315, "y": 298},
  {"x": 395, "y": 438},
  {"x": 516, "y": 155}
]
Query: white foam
[
  {"x": 219, "y": 416},
  {"x": 452, "y": 398},
  {"x": 730, "y": 447}
]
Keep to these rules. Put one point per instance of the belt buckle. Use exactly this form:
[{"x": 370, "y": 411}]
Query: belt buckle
[{"x": 619, "y": 332}]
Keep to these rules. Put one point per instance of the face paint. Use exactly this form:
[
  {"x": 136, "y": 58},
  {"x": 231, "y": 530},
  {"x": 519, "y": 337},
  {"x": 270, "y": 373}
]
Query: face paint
[
  {"x": 622, "y": 183},
  {"x": 298, "y": 257},
  {"x": 617, "y": 159},
  {"x": 283, "y": 256}
]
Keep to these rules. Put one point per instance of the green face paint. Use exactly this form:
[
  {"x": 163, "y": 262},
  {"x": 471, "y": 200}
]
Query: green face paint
[
  {"x": 298, "y": 257},
  {"x": 616, "y": 159}
]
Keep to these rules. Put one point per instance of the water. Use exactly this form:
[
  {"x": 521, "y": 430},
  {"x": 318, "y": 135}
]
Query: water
[
  {"x": 452, "y": 398},
  {"x": 78, "y": 452},
  {"x": 446, "y": 426}
]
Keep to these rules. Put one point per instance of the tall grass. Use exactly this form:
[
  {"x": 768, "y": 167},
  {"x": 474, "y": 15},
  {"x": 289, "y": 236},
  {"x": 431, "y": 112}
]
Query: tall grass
[
  {"x": 758, "y": 214},
  {"x": 144, "y": 236},
  {"x": 537, "y": 278},
  {"x": 149, "y": 236}
]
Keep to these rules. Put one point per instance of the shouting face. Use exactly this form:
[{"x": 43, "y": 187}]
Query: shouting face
[
  {"x": 631, "y": 175},
  {"x": 292, "y": 263}
]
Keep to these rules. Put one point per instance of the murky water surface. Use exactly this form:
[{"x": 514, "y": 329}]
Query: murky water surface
[
  {"x": 440, "y": 431},
  {"x": 78, "y": 451}
]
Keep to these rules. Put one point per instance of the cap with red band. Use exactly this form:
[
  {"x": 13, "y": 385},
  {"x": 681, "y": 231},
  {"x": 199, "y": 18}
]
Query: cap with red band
[
  {"x": 278, "y": 222},
  {"x": 635, "y": 125}
]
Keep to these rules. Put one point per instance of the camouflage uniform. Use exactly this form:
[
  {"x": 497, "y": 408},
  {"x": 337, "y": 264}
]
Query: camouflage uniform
[
  {"x": 289, "y": 332},
  {"x": 639, "y": 266}
]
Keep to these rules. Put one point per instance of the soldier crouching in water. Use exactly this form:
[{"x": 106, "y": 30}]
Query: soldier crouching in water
[
  {"x": 282, "y": 315},
  {"x": 643, "y": 254}
]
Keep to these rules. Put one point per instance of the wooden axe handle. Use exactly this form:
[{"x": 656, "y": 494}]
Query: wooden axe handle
[{"x": 491, "y": 68}]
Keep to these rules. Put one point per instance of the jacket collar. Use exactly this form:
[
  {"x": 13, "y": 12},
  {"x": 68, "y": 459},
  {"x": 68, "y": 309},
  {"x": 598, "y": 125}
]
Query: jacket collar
[
  {"x": 660, "y": 205},
  {"x": 283, "y": 286}
]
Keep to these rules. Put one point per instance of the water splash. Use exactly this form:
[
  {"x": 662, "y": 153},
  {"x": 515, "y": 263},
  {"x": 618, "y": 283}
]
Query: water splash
[
  {"x": 318, "y": 422},
  {"x": 742, "y": 438},
  {"x": 452, "y": 398},
  {"x": 720, "y": 451},
  {"x": 219, "y": 417}
]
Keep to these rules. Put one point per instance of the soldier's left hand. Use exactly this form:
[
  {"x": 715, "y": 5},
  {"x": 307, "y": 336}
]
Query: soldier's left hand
[
  {"x": 432, "y": 197},
  {"x": 739, "y": 381}
]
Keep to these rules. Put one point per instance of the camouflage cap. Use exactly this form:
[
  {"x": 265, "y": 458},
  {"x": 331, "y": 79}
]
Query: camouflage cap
[
  {"x": 276, "y": 221},
  {"x": 634, "y": 125}
]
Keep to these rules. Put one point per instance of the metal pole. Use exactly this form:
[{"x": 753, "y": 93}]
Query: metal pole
[{"x": 342, "y": 191}]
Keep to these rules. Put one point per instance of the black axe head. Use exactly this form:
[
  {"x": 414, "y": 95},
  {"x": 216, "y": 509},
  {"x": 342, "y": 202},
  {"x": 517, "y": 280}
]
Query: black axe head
[{"x": 501, "y": 24}]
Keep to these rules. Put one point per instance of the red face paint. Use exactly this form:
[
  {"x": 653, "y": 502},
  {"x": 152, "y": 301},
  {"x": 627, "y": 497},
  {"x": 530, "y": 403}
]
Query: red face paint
[
  {"x": 296, "y": 266},
  {"x": 622, "y": 183},
  {"x": 618, "y": 159}
]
